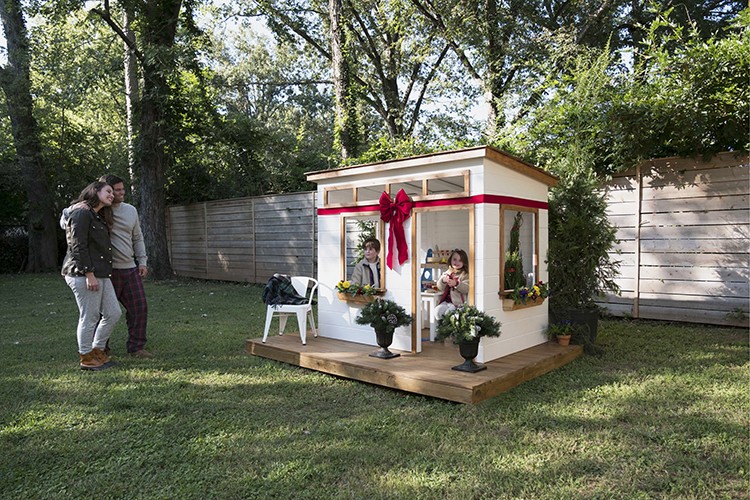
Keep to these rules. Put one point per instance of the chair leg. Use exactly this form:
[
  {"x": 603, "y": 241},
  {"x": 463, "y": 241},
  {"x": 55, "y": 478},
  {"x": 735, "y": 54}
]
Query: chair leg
[
  {"x": 282, "y": 323},
  {"x": 302, "y": 322},
  {"x": 269, "y": 316},
  {"x": 312, "y": 323}
]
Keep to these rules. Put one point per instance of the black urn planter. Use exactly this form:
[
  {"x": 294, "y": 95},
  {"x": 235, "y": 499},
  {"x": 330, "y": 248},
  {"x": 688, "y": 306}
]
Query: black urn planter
[
  {"x": 588, "y": 319},
  {"x": 384, "y": 338},
  {"x": 469, "y": 351}
]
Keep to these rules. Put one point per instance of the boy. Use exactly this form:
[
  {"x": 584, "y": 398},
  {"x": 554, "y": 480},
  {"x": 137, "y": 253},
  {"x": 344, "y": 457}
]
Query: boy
[{"x": 367, "y": 271}]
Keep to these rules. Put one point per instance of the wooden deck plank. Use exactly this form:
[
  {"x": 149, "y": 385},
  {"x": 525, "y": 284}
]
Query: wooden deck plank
[{"x": 428, "y": 373}]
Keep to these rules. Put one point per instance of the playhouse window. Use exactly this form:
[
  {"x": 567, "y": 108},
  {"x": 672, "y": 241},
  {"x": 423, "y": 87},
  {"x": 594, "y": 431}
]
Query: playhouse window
[
  {"x": 370, "y": 193},
  {"x": 412, "y": 188},
  {"x": 455, "y": 185},
  {"x": 339, "y": 196},
  {"x": 355, "y": 230},
  {"x": 444, "y": 185},
  {"x": 519, "y": 247}
]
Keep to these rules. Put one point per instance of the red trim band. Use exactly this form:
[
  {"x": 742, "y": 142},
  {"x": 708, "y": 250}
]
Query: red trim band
[{"x": 493, "y": 199}]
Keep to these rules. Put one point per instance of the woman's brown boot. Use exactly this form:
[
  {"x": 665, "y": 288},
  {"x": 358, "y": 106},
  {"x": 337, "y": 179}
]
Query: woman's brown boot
[
  {"x": 90, "y": 361},
  {"x": 102, "y": 355}
]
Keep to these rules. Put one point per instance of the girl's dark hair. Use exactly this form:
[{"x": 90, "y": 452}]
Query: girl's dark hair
[
  {"x": 461, "y": 255},
  {"x": 90, "y": 197}
]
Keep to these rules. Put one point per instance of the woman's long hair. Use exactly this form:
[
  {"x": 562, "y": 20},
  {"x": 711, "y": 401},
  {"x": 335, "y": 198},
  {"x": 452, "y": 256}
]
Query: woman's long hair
[{"x": 90, "y": 197}]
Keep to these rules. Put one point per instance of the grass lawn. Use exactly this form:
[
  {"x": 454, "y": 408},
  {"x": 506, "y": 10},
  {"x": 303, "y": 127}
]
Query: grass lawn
[{"x": 662, "y": 413}]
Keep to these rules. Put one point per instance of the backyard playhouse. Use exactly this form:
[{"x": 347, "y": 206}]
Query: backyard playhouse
[{"x": 420, "y": 208}]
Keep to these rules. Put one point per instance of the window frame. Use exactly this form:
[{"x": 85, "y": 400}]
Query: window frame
[{"x": 503, "y": 243}]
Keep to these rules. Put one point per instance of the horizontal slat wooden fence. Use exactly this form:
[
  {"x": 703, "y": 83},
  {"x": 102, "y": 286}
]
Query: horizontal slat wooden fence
[
  {"x": 683, "y": 227},
  {"x": 245, "y": 239}
]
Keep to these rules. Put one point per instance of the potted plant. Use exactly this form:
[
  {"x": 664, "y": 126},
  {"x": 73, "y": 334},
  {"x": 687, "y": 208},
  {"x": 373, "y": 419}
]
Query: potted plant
[
  {"x": 384, "y": 316},
  {"x": 466, "y": 325},
  {"x": 562, "y": 331},
  {"x": 354, "y": 292},
  {"x": 581, "y": 240}
]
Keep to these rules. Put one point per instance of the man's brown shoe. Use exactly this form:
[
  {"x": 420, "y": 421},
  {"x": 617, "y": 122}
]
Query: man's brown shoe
[{"x": 143, "y": 353}]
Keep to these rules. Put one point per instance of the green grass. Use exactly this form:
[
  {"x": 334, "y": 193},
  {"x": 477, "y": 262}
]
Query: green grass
[{"x": 661, "y": 413}]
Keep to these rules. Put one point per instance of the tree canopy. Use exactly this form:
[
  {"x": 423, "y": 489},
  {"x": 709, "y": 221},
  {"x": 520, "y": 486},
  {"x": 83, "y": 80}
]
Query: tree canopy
[{"x": 242, "y": 98}]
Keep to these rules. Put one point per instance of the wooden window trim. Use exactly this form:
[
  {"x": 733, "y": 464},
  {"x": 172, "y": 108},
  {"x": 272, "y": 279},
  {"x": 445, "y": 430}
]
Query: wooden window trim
[
  {"x": 387, "y": 187},
  {"x": 535, "y": 259}
]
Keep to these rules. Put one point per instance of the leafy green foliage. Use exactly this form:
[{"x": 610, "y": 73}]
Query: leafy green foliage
[
  {"x": 683, "y": 95},
  {"x": 77, "y": 78},
  {"x": 580, "y": 240}
]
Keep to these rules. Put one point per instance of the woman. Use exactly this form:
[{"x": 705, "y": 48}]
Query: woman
[{"x": 87, "y": 268}]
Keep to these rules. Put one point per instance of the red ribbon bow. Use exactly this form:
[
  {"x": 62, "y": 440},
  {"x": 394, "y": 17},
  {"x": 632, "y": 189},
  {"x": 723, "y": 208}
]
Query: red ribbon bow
[{"x": 396, "y": 212}]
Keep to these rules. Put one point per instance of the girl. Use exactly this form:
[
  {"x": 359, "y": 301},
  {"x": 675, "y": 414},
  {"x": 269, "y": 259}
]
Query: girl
[
  {"x": 87, "y": 268},
  {"x": 454, "y": 283}
]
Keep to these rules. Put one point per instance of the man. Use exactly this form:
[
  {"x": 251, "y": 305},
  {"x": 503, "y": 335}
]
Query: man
[{"x": 129, "y": 267}]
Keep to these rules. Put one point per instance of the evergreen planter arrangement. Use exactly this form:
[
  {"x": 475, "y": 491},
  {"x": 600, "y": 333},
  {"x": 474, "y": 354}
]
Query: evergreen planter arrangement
[
  {"x": 466, "y": 325},
  {"x": 384, "y": 316}
]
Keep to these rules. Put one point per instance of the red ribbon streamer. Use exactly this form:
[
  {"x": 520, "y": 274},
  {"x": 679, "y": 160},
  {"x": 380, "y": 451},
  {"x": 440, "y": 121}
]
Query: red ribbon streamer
[{"x": 396, "y": 212}]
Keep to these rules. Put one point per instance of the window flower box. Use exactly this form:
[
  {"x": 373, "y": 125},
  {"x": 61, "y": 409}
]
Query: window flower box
[
  {"x": 357, "y": 294},
  {"x": 356, "y": 299},
  {"x": 523, "y": 297},
  {"x": 512, "y": 305}
]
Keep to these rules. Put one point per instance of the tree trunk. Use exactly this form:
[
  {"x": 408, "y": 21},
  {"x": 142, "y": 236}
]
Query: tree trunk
[
  {"x": 16, "y": 84},
  {"x": 493, "y": 91},
  {"x": 345, "y": 134},
  {"x": 153, "y": 162},
  {"x": 131, "y": 95},
  {"x": 160, "y": 27}
]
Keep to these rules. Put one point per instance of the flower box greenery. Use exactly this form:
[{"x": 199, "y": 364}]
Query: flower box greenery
[
  {"x": 383, "y": 315},
  {"x": 467, "y": 324},
  {"x": 525, "y": 294},
  {"x": 354, "y": 292}
]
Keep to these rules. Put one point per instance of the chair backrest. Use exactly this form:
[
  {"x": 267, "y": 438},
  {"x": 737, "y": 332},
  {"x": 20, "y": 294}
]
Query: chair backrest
[{"x": 301, "y": 285}]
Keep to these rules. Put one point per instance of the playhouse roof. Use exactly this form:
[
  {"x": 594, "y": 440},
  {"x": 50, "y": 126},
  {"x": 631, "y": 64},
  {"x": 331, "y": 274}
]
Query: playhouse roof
[{"x": 493, "y": 154}]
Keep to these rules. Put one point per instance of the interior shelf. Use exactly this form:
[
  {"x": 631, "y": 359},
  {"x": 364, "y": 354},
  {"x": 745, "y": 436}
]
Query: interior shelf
[{"x": 434, "y": 265}]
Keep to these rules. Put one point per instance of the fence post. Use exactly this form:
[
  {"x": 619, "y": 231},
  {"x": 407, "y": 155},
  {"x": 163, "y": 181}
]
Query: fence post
[{"x": 637, "y": 256}]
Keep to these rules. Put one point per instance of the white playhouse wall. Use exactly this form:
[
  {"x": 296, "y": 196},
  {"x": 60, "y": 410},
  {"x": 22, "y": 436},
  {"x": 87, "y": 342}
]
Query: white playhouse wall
[
  {"x": 521, "y": 329},
  {"x": 336, "y": 319}
]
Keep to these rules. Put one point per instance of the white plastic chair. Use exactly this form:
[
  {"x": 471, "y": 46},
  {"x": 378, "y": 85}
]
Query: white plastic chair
[{"x": 302, "y": 311}]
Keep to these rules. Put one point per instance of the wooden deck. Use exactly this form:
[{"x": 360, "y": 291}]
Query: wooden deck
[{"x": 428, "y": 373}]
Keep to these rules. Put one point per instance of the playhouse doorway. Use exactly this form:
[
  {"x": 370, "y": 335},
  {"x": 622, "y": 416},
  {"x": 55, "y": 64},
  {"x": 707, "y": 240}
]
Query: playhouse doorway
[{"x": 438, "y": 231}]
